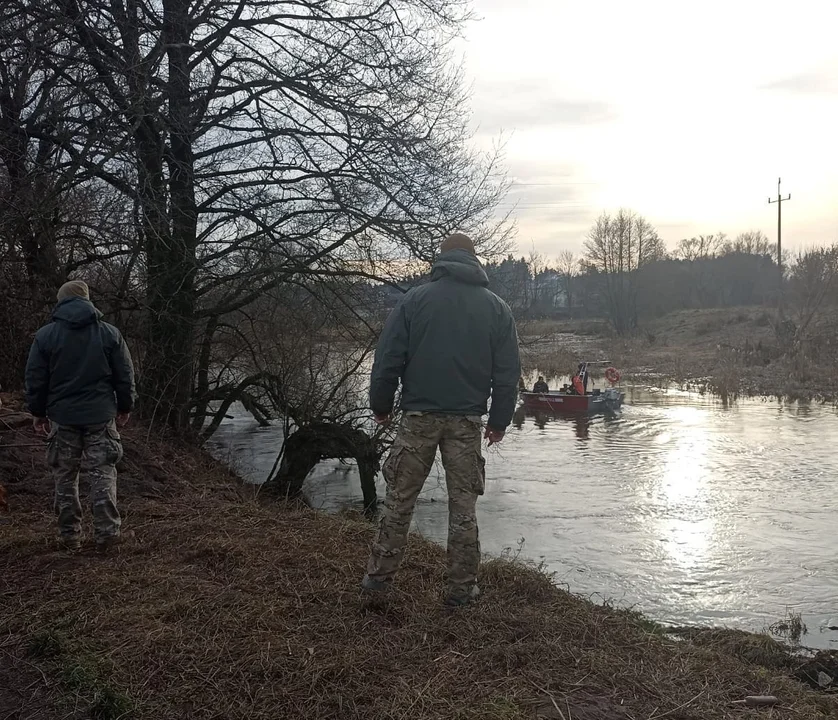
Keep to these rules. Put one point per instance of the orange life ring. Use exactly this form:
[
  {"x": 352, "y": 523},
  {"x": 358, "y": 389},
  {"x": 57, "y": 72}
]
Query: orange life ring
[{"x": 612, "y": 375}]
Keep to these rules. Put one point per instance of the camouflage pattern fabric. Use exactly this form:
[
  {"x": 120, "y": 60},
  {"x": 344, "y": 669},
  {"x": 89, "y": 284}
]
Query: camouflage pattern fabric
[
  {"x": 406, "y": 470},
  {"x": 90, "y": 453}
]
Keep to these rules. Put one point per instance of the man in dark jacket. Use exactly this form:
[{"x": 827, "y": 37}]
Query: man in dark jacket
[
  {"x": 79, "y": 385},
  {"x": 453, "y": 344}
]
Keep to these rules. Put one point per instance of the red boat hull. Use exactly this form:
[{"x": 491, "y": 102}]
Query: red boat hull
[{"x": 556, "y": 402}]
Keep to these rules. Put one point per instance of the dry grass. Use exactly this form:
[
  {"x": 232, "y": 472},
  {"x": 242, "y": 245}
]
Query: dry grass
[
  {"x": 548, "y": 327},
  {"x": 729, "y": 352},
  {"x": 225, "y": 607}
]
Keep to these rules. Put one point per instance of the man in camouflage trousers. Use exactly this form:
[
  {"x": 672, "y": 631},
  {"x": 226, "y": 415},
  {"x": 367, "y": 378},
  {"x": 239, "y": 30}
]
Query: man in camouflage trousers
[
  {"x": 452, "y": 343},
  {"x": 79, "y": 386}
]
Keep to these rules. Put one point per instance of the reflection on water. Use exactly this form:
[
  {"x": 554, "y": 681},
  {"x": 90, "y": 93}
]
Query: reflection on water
[
  {"x": 691, "y": 511},
  {"x": 581, "y": 422}
]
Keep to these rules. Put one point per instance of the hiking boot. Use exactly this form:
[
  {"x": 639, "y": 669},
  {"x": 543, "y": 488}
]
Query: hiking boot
[
  {"x": 109, "y": 542},
  {"x": 462, "y": 597},
  {"x": 375, "y": 586},
  {"x": 106, "y": 544},
  {"x": 69, "y": 543}
]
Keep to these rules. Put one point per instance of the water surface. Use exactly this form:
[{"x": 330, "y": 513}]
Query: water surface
[{"x": 692, "y": 512}]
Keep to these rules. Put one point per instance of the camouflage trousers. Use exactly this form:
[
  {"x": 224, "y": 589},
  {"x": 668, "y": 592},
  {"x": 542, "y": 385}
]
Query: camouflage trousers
[
  {"x": 406, "y": 469},
  {"x": 91, "y": 453}
]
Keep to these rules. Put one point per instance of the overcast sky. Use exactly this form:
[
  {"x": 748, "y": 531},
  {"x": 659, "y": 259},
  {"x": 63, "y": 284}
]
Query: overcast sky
[{"x": 684, "y": 112}]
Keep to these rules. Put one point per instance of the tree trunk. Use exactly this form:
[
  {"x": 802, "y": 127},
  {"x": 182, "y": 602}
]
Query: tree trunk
[
  {"x": 166, "y": 377},
  {"x": 202, "y": 376},
  {"x": 368, "y": 470},
  {"x": 171, "y": 256}
]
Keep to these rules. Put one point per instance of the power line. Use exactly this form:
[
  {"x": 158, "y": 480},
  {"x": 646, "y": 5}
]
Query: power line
[
  {"x": 558, "y": 184},
  {"x": 538, "y": 205}
]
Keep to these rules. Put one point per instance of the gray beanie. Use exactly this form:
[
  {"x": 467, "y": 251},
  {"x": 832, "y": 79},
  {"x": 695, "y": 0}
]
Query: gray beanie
[{"x": 73, "y": 288}]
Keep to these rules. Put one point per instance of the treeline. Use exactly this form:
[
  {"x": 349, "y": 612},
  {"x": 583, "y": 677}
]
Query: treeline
[
  {"x": 626, "y": 274},
  {"x": 534, "y": 287}
]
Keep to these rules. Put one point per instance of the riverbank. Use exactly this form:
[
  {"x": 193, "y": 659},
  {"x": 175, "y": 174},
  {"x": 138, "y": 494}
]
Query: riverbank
[
  {"x": 729, "y": 352},
  {"x": 226, "y": 605}
]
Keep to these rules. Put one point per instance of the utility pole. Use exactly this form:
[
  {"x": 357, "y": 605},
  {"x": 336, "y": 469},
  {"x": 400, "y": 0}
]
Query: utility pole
[{"x": 779, "y": 201}]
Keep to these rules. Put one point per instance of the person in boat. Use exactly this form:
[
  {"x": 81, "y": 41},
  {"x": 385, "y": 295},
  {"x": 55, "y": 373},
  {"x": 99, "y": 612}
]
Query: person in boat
[
  {"x": 452, "y": 343},
  {"x": 541, "y": 386},
  {"x": 522, "y": 386},
  {"x": 580, "y": 380}
]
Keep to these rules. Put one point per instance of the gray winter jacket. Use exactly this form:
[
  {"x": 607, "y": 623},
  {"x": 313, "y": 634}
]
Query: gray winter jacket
[
  {"x": 79, "y": 370},
  {"x": 453, "y": 344}
]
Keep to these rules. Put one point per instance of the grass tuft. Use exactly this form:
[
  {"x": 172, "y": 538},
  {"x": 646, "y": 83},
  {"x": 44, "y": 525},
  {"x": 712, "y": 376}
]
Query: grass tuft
[
  {"x": 46, "y": 644},
  {"x": 110, "y": 704}
]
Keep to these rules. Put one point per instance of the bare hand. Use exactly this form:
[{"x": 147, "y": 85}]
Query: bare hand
[
  {"x": 382, "y": 419},
  {"x": 122, "y": 419},
  {"x": 493, "y": 436},
  {"x": 41, "y": 425}
]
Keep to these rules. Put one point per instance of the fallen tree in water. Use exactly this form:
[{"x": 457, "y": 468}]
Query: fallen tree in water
[
  {"x": 310, "y": 444},
  {"x": 222, "y": 606}
]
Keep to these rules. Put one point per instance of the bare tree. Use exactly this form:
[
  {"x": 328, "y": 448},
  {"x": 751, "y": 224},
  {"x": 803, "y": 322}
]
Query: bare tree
[
  {"x": 813, "y": 283},
  {"x": 296, "y": 353},
  {"x": 55, "y": 219},
  {"x": 542, "y": 288},
  {"x": 301, "y": 353},
  {"x": 568, "y": 266},
  {"x": 698, "y": 253},
  {"x": 261, "y": 142},
  {"x": 618, "y": 247},
  {"x": 752, "y": 242},
  {"x": 702, "y": 247},
  {"x": 512, "y": 279}
]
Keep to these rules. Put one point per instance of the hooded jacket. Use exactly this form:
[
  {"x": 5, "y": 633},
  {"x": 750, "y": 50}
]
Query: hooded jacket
[
  {"x": 79, "y": 370},
  {"x": 453, "y": 344}
]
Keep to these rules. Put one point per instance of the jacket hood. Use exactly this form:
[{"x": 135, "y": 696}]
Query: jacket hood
[
  {"x": 76, "y": 312},
  {"x": 460, "y": 265}
]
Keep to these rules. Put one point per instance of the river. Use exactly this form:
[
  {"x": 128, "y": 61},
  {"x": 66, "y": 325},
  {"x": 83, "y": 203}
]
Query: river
[{"x": 689, "y": 511}]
